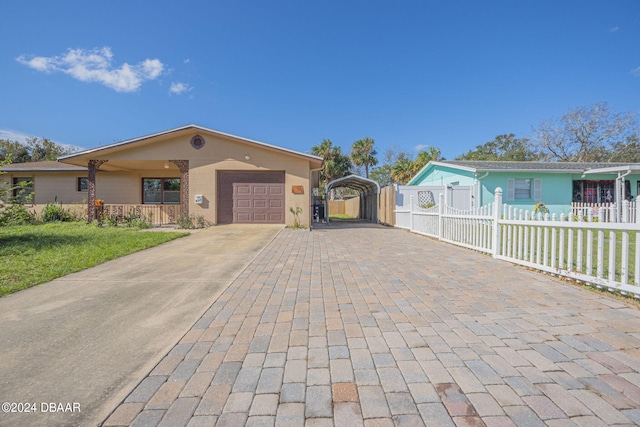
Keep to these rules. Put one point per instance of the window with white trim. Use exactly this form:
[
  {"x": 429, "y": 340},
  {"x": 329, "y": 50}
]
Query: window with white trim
[{"x": 524, "y": 189}]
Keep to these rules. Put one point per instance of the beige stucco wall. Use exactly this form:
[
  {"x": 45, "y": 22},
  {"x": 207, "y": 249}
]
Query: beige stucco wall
[
  {"x": 218, "y": 154},
  {"x": 51, "y": 186}
]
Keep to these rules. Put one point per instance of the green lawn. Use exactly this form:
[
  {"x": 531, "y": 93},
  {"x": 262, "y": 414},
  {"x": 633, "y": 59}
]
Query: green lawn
[
  {"x": 34, "y": 254},
  {"x": 340, "y": 216},
  {"x": 594, "y": 249}
]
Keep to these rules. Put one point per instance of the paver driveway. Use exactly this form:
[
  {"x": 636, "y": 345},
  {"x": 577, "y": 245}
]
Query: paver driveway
[{"x": 366, "y": 325}]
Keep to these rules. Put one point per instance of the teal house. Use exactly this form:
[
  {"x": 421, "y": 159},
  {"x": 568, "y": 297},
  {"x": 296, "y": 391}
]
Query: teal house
[{"x": 557, "y": 184}]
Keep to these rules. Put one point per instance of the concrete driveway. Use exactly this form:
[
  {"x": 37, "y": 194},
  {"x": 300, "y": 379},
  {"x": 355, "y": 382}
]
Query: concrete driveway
[{"x": 85, "y": 340}]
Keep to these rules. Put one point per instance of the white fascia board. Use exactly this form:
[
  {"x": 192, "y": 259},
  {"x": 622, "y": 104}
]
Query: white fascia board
[
  {"x": 450, "y": 165},
  {"x": 614, "y": 169},
  {"x": 443, "y": 164},
  {"x": 78, "y": 169}
]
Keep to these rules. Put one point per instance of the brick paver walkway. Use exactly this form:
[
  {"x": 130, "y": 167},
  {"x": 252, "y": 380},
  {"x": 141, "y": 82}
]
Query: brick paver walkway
[{"x": 375, "y": 326}]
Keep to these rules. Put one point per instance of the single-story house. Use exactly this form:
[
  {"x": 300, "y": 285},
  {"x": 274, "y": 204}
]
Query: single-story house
[
  {"x": 524, "y": 184},
  {"x": 190, "y": 170}
]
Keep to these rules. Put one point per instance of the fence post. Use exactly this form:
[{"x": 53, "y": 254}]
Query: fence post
[
  {"x": 625, "y": 211},
  {"x": 495, "y": 232},
  {"x": 411, "y": 213},
  {"x": 441, "y": 210}
]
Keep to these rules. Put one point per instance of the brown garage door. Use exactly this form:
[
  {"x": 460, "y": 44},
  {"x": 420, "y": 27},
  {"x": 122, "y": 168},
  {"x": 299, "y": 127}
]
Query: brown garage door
[{"x": 251, "y": 197}]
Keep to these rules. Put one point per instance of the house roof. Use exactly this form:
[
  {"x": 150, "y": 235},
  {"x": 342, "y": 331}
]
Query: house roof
[
  {"x": 99, "y": 150},
  {"x": 41, "y": 166},
  {"x": 480, "y": 166},
  {"x": 488, "y": 166}
]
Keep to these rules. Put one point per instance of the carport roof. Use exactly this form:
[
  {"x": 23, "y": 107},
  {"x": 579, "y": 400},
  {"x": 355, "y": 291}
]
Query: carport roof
[{"x": 364, "y": 185}]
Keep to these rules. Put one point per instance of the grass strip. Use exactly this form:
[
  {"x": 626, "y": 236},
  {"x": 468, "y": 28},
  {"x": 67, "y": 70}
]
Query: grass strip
[{"x": 35, "y": 254}]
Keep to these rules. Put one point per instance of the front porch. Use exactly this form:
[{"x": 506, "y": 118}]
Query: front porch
[
  {"x": 154, "y": 214},
  {"x": 157, "y": 191}
]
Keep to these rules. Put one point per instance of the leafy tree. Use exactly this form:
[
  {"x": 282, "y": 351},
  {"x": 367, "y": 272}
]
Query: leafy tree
[
  {"x": 14, "y": 151},
  {"x": 382, "y": 173},
  {"x": 363, "y": 154},
  {"x": 33, "y": 150},
  {"x": 627, "y": 150},
  {"x": 400, "y": 166},
  {"x": 585, "y": 134},
  {"x": 336, "y": 165},
  {"x": 503, "y": 147}
]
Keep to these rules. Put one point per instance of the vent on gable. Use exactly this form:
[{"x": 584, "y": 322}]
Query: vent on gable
[{"x": 197, "y": 142}]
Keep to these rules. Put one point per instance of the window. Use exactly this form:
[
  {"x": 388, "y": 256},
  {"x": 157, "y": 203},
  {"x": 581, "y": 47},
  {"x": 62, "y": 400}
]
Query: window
[
  {"x": 161, "y": 190},
  {"x": 598, "y": 191},
  {"x": 82, "y": 184},
  {"x": 524, "y": 189},
  {"x": 23, "y": 189}
]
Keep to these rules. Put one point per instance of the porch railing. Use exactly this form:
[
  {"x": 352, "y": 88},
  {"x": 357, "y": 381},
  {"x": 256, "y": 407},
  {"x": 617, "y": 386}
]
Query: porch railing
[{"x": 156, "y": 214}]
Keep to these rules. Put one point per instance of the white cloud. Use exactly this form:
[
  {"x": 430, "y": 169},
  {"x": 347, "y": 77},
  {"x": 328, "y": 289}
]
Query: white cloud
[
  {"x": 421, "y": 147},
  {"x": 95, "y": 65},
  {"x": 179, "y": 88},
  {"x": 14, "y": 135},
  {"x": 636, "y": 72},
  {"x": 614, "y": 29}
]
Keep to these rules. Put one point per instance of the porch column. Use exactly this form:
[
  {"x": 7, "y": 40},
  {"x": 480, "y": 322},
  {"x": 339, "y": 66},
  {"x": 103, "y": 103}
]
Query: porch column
[
  {"x": 183, "y": 166},
  {"x": 93, "y": 167}
]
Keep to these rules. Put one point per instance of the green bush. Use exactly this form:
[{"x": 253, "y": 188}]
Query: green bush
[
  {"x": 191, "y": 221},
  {"x": 134, "y": 220},
  {"x": 130, "y": 220},
  {"x": 16, "y": 214},
  {"x": 54, "y": 212}
]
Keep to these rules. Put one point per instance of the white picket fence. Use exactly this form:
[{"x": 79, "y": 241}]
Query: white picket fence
[
  {"x": 604, "y": 254},
  {"x": 607, "y": 212}
]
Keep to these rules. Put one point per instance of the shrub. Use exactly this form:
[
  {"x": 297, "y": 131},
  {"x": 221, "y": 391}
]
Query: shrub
[
  {"x": 296, "y": 216},
  {"x": 134, "y": 220},
  {"x": 191, "y": 221},
  {"x": 16, "y": 214},
  {"x": 131, "y": 219},
  {"x": 54, "y": 212}
]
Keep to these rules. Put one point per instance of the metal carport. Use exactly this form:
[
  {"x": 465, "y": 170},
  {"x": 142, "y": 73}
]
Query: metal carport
[{"x": 369, "y": 192}]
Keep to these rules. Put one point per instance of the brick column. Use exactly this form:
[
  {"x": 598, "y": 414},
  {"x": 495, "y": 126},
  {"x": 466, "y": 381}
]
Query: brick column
[
  {"x": 93, "y": 166},
  {"x": 183, "y": 166}
]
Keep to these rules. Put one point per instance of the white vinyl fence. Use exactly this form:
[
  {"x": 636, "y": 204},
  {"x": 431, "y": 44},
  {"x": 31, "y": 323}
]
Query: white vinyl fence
[
  {"x": 414, "y": 198},
  {"x": 607, "y": 212},
  {"x": 604, "y": 254}
]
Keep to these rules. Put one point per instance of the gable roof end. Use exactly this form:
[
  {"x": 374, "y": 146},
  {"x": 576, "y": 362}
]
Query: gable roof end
[{"x": 190, "y": 127}]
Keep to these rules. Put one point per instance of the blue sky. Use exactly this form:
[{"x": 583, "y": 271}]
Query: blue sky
[{"x": 410, "y": 74}]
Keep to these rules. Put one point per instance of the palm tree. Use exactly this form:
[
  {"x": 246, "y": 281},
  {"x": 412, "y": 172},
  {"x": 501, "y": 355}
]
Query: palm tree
[
  {"x": 336, "y": 165},
  {"x": 402, "y": 169},
  {"x": 363, "y": 154},
  {"x": 426, "y": 156}
]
